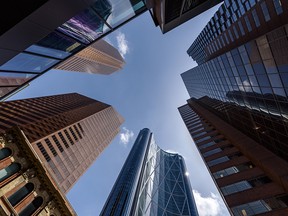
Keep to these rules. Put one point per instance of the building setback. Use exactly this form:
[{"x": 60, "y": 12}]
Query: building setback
[
  {"x": 237, "y": 114},
  {"x": 67, "y": 131},
  {"x": 151, "y": 182},
  {"x": 26, "y": 188}
]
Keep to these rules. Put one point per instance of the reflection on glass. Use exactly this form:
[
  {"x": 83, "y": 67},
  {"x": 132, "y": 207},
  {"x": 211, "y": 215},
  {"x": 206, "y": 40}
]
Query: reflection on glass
[
  {"x": 28, "y": 63},
  {"x": 9, "y": 79},
  {"x": 87, "y": 25},
  {"x": 55, "y": 45},
  {"x": 5, "y": 90},
  {"x": 121, "y": 11}
]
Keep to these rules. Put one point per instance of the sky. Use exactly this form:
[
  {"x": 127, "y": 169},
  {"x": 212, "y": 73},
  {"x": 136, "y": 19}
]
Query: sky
[{"x": 147, "y": 93}]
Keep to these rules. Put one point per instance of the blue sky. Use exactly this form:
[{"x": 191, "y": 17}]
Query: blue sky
[{"x": 147, "y": 93}]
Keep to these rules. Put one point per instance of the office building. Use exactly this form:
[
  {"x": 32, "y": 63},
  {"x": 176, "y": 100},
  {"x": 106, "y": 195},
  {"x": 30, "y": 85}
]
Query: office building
[
  {"x": 169, "y": 14},
  {"x": 26, "y": 188},
  {"x": 98, "y": 58},
  {"x": 251, "y": 179},
  {"x": 151, "y": 182},
  {"x": 68, "y": 132},
  {"x": 241, "y": 81},
  {"x": 34, "y": 40}
]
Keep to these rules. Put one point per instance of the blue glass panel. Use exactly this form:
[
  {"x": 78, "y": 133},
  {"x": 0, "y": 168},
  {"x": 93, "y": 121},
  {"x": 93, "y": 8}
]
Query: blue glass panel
[
  {"x": 86, "y": 26},
  {"x": 118, "y": 11},
  {"x": 28, "y": 63},
  {"x": 55, "y": 45}
]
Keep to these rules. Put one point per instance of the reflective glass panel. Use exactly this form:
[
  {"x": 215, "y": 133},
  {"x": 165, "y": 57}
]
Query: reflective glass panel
[
  {"x": 28, "y": 63},
  {"x": 6, "y": 90},
  {"x": 86, "y": 26},
  {"x": 116, "y": 12},
  {"x": 55, "y": 45},
  {"x": 12, "y": 79}
]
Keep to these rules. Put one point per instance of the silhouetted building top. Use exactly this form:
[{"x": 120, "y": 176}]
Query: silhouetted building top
[
  {"x": 151, "y": 182},
  {"x": 169, "y": 14}
]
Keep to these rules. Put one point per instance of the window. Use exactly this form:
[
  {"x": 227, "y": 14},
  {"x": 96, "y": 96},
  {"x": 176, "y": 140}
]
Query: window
[
  {"x": 43, "y": 151},
  {"x": 251, "y": 208},
  {"x": 9, "y": 171},
  {"x": 241, "y": 28},
  {"x": 236, "y": 187},
  {"x": 199, "y": 134},
  {"x": 278, "y": 6},
  {"x": 32, "y": 207},
  {"x": 265, "y": 11},
  {"x": 235, "y": 32},
  {"x": 63, "y": 139},
  {"x": 248, "y": 24},
  {"x": 28, "y": 63},
  {"x": 207, "y": 145},
  {"x": 51, "y": 147},
  {"x": 73, "y": 134},
  {"x": 21, "y": 194},
  {"x": 211, "y": 152},
  {"x": 69, "y": 137},
  {"x": 218, "y": 161},
  {"x": 57, "y": 143},
  {"x": 202, "y": 139},
  {"x": 5, "y": 152},
  {"x": 255, "y": 17}
]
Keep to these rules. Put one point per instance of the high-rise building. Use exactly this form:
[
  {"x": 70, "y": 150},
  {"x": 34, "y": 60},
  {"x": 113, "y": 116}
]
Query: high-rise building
[
  {"x": 242, "y": 81},
  {"x": 34, "y": 40},
  {"x": 151, "y": 182},
  {"x": 251, "y": 179},
  {"x": 67, "y": 131},
  {"x": 100, "y": 58},
  {"x": 26, "y": 188},
  {"x": 168, "y": 14}
]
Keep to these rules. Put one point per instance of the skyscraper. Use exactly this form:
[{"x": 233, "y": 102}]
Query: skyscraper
[
  {"x": 100, "y": 58},
  {"x": 241, "y": 82},
  {"x": 250, "y": 178},
  {"x": 151, "y": 182},
  {"x": 67, "y": 131},
  {"x": 34, "y": 40}
]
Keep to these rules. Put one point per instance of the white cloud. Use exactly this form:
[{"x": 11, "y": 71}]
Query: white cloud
[
  {"x": 126, "y": 136},
  {"x": 207, "y": 206},
  {"x": 122, "y": 44}
]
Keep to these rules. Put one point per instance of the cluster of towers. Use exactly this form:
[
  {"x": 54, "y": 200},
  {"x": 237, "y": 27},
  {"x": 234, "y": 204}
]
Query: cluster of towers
[{"x": 237, "y": 112}]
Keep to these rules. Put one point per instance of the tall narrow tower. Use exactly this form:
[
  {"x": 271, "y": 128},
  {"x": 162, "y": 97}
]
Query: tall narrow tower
[
  {"x": 67, "y": 131},
  {"x": 151, "y": 182}
]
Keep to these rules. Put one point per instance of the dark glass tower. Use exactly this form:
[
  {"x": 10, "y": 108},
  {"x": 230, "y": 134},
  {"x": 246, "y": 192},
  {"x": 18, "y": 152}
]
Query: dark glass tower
[
  {"x": 237, "y": 114},
  {"x": 151, "y": 182}
]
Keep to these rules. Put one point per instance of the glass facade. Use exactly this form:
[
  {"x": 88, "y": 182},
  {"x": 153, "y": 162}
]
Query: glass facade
[
  {"x": 151, "y": 182},
  {"x": 248, "y": 87},
  {"x": 232, "y": 17},
  {"x": 96, "y": 21}
]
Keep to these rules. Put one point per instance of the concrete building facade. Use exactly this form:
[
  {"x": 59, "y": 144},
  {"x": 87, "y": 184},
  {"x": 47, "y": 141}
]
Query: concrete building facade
[
  {"x": 68, "y": 132},
  {"x": 26, "y": 188}
]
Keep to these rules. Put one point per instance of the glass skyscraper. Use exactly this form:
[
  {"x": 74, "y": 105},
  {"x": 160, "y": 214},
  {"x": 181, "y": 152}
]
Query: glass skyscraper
[
  {"x": 35, "y": 41},
  {"x": 151, "y": 182},
  {"x": 237, "y": 114}
]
